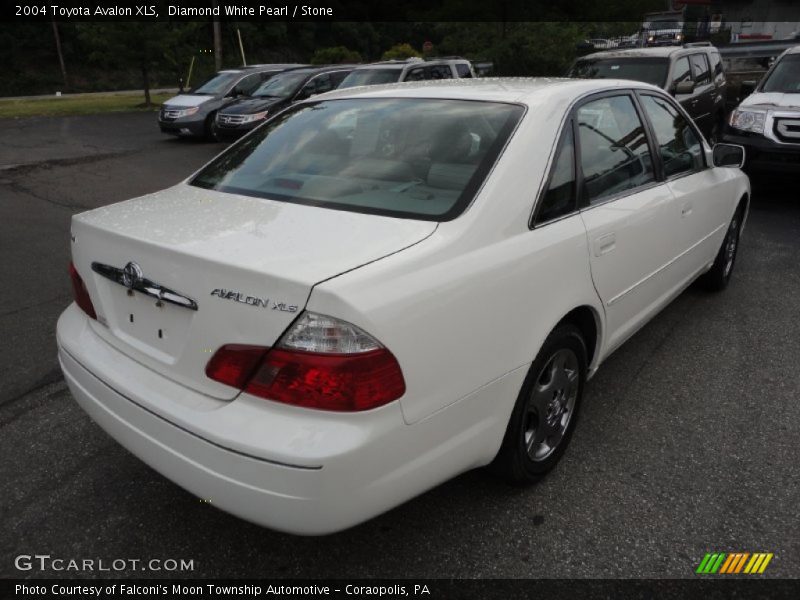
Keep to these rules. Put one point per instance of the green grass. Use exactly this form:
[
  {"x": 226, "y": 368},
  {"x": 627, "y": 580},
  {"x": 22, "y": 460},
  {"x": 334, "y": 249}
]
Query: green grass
[{"x": 79, "y": 104}]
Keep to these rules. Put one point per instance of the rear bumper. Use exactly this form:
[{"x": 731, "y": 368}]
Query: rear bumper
[
  {"x": 294, "y": 470},
  {"x": 763, "y": 154}
]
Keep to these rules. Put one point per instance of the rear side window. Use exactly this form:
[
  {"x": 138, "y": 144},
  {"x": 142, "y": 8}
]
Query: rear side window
[
  {"x": 678, "y": 144},
  {"x": 463, "y": 71},
  {"x": 430, "y": 72},
  {"x": 716, "y": 63},
  {"x": 615, "y": 156},
  {"x": 702, "y": 74},
  {"x": 406, "y": 157},
  {"x": 560, "y": 197}
]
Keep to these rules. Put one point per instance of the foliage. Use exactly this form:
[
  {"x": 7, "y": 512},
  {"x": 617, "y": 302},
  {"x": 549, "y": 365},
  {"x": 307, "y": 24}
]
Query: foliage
[
  {"x": 400, "y": 52},
  {"x": 335, "y": 55}
]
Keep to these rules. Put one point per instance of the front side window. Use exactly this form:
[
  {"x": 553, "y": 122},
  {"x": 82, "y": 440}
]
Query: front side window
[
  {"x": 678, "y": 144},
  {"x": 316, "y": 85},
  {"x": 371, "y": 77},
  {"x": 282, "y": 85},
  {"x": 217, "y": 84},
  {"x": 413, "y": 158},
  {"x": 682, "y": 71},
  {"x": 702, "y": 74},
  {"x": 785, "y": 77},
  {"x": 559, "y": 199},
  {"x": 249, "y": 84},
  {"x": 615, "y": 156}
]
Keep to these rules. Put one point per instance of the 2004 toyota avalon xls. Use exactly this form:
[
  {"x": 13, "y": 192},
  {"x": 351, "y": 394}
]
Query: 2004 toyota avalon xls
[{"x": 383, "y": 287}]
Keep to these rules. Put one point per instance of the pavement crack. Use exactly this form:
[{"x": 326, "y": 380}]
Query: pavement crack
[
  {"x": 38, "y": 304},
  {"x": 52, "y": 376},
  {"x": 21, "y": 189}
]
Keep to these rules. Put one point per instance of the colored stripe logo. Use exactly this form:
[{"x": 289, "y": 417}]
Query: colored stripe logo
[{"x": 728, "y": 563}]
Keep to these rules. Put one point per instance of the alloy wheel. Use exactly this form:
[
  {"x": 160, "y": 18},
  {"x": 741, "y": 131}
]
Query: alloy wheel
[{"x": 551, "y": 404}]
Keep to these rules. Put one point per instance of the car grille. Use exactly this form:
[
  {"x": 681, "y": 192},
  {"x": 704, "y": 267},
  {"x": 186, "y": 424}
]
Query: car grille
[
  {"x": 170, "y": 113},
  {"x": 224, "y": 119},
  {"x": 788, "y": 130}
]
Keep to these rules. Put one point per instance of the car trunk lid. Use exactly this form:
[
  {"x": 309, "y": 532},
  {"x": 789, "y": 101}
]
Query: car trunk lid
[{"x": 248, "y": 264}]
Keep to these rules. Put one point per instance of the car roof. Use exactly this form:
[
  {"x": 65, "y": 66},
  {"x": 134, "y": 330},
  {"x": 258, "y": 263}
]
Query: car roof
[
  {"x": 275, "y": 67},
  {"x": 402, "y": 64},
  {"x": 524, "y": 90},
  {"x": 793, "y": 50},
  {"x": 659, "y": 52},
  {"x": 323, "y": 69}
]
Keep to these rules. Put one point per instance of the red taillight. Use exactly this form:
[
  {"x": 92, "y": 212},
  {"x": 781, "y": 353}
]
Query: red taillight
[
  {"x": 339, "y": 382},
  {"x": 234, "y": 364},
  {"x": 80, "y": 293},
  {"x": 348, "y": 382}
]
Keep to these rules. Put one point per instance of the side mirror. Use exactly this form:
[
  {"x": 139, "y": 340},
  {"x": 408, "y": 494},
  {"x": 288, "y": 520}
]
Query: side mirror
[
  {"x": 746, "y": 88},
  {"x": 728, "y": 155},
  {"x": 685, "y": 87}
]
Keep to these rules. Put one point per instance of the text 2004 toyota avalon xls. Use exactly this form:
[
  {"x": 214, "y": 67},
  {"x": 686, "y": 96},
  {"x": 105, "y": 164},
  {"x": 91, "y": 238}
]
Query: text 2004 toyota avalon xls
[{"x": 384, "y": 287}]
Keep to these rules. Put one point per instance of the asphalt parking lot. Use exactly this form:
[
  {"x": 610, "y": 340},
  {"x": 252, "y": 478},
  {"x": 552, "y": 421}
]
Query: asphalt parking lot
[{"x": 688, "y": 441}]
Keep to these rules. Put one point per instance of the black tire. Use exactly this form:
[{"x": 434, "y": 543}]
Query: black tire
[
  {"x": 717, "y": 278},
  {"x": 521, "y": 459},
  {"x": 210, "y": 128}
]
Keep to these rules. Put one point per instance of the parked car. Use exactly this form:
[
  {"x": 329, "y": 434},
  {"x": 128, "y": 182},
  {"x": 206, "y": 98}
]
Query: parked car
[
  {"x": 693, "y": 73},
  {"x": 414, "y": 69},
  {"x": 381, "y": 288},
  {"x": 767, "y": 122},
  {"x": 192, "y": 113},
  {"x": 240, "y": 117}
]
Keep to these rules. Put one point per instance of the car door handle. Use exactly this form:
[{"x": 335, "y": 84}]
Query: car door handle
[
  {"x": 686, "y": 210},
  {"x": 605, "y": 244}
]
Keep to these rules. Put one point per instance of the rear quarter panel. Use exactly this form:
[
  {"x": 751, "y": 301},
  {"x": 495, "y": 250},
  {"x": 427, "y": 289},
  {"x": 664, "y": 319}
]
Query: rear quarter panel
[{"x": 475, "y": 300}]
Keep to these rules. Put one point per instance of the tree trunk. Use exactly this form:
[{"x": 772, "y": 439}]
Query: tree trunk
[
  {"x": 217, "y": 41},
  {"x": 146, "y": 85},
  {"x": 60, "y": 55}
]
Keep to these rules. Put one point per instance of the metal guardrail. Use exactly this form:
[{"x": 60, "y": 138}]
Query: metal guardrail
[{"x": 766, "y": 49}]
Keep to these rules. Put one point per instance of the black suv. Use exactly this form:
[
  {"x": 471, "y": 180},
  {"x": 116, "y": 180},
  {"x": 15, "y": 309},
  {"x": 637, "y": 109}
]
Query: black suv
[
  {"x": 192, "y": 113},
  {"x": 275, "y": 95},
  {"x": 692, "y": 73}
]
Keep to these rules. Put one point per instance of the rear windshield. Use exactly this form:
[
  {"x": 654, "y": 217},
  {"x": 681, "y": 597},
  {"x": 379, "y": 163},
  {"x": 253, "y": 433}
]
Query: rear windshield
[
  {"x": 785, "y": 77},
  {"x": 404, "y": 157},
  {"x": 648, "y": 70},
  {"x": 371, "y": 77},
  {"x": 217, "y": 84}
]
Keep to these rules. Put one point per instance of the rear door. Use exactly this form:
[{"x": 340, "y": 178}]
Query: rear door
[{"x": 628, "y": 213}]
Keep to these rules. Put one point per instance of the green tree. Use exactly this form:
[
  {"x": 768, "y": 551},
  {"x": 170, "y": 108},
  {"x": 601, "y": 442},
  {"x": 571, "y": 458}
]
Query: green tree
[
  {"x": 335, "y": 56},
  {"x": 145, "y": 46},
  {"x": 400, "y": 51}
]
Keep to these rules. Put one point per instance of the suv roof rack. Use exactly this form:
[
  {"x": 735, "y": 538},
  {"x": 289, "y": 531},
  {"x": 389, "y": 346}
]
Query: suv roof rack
[
  {"x": 697, "y": 44},
  {"x": 445, "y": 58}
]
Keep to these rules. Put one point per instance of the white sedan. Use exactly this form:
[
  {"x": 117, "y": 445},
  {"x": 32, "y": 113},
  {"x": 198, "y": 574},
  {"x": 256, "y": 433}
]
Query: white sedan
[{"x": 383, "y": 287}]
